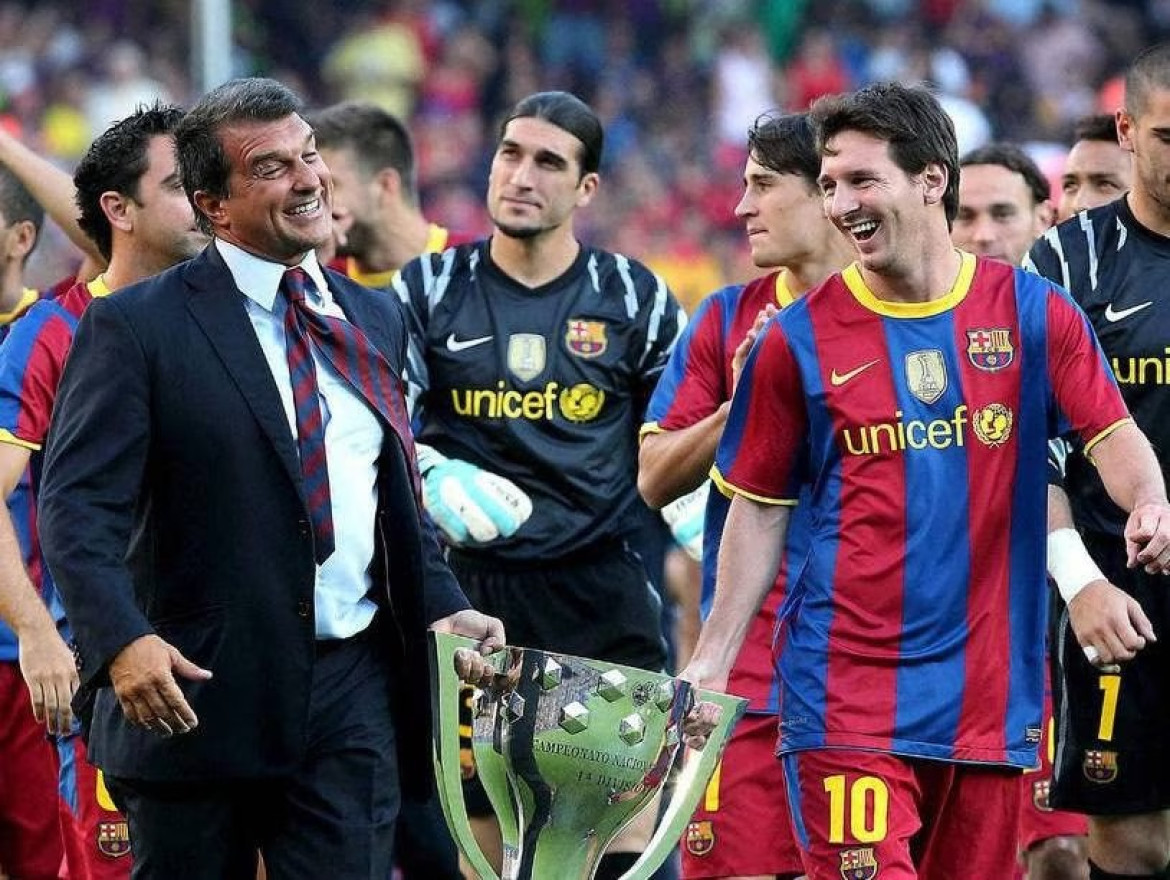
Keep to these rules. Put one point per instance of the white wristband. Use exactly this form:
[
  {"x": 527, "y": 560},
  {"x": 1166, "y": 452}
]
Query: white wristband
[{"x": 1069, "y": 563}]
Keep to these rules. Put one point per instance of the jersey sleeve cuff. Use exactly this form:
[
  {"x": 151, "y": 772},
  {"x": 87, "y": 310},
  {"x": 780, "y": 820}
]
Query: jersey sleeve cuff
[
  {"x": 650, "y": 428},
  {"x": 730, "y": 489},
  {"x": 1101, "y": 435},
  {"x": 11, "y": 439}
]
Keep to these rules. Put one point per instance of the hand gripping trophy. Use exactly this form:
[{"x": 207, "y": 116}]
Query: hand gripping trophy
[{"x": 569, "y": 750}]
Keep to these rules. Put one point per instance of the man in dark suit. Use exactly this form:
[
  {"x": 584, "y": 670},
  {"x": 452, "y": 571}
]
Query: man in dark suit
[{"x": 233, "y": 521}]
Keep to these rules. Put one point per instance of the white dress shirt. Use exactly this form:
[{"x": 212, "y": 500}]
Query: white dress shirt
[{"x": 353, "y": 441}]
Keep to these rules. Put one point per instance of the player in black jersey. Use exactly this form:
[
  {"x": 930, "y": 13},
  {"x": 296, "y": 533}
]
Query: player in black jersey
[
  {"x": 1114, "y": 717},
  {"x": 536, "y": 355}
]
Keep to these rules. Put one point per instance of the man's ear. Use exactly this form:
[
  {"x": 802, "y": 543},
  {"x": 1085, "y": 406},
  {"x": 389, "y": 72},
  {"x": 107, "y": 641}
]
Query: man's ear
[
  {"x": 389, "y": 182},
  {"x": 214, "y": 208},
  {"x": 116, "y": 207},
  {"x": 934, "y": 182},
  {"x": 22, "y": 239},
  {"x": 587, "y": 188}
]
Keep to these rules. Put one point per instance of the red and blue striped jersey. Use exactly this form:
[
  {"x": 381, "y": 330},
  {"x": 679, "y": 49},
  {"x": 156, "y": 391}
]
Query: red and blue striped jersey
[
  {"x": 31, "y": 361},
  {"x": 916, "y": 622},
  {"x": 696, "y": 382}
]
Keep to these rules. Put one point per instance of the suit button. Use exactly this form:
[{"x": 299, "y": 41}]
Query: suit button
[
  {"x": 304, "y": 609},
  {"x": 303, "y": 527}
]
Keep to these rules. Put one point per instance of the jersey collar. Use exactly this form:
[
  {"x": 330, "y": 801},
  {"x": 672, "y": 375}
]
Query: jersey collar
[{"x": 867, "y": 298}]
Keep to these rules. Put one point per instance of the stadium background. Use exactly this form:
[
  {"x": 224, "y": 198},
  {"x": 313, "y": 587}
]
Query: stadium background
[{"x": 677, "y": 83}]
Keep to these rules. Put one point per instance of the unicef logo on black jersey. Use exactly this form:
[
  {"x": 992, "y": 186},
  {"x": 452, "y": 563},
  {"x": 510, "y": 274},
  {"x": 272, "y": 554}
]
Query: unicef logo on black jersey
[
  {"x": 582, "y": 402},
  {"x": 577, "y": 403}
]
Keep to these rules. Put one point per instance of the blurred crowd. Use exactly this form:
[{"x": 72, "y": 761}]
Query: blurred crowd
[{"x": 677, "y": 83}]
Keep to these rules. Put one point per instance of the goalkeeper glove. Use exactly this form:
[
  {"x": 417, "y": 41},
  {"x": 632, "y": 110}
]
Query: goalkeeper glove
[
  {"x": 469, "y": 504},
  {"x": 685, "y": 517}
]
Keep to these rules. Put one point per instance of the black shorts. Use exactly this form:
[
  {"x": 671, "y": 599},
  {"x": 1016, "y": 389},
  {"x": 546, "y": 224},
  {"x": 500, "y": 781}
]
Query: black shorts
[
  {"x": 1113, "y": 729},
  {"x": 600, "y": 605}
]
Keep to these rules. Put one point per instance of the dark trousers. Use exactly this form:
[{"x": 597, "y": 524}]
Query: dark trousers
[{"x": 334, "y": 817}]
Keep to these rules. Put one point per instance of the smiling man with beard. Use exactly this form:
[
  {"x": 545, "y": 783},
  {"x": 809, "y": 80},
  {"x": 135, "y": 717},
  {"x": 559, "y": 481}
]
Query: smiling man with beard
[{"x": 914, "y": 393}]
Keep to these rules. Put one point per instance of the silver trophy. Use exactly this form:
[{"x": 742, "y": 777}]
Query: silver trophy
[{"x": 569, "y": 750}]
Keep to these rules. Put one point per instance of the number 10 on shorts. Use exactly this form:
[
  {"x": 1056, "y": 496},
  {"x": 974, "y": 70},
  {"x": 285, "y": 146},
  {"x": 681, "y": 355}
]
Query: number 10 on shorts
[{"x": 863, "y": 804}]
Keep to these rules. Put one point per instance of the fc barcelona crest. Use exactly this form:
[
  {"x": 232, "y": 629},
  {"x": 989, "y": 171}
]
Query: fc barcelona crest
[
  {"x": 858, "y": 864},
  {"x": 586, "y": 339},
  {"x": 926, "y": 374},
  {"x": 526, "y": 355},
  {"x": 113, "y": 838},
  {"x": 700, "y": 838},
  {"x": 1100, "y": 766},
  {"x": 1041, "y": 789},
  {"x": 990, "y": 349}
]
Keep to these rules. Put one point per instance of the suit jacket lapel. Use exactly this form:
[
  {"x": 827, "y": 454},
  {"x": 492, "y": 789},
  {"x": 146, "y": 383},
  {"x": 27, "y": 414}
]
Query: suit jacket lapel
[{"x": 218, "y": 307}]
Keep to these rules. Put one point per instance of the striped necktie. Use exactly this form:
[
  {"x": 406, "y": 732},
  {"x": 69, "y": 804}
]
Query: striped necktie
[{"x": 356, "y": 359}]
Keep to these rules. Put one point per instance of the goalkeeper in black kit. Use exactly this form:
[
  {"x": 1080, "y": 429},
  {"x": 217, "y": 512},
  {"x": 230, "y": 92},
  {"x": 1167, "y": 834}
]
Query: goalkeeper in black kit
[{"x": 533, "y": 357}]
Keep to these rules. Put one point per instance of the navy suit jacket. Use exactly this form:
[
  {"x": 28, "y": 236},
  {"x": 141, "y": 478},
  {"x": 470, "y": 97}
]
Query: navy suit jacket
[{"x": 172, "y": 503}]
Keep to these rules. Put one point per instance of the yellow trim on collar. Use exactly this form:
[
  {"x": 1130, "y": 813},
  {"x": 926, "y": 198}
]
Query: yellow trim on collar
[
  {"x": 28, "y": 296},
  {"x": 98, "y": 287},
  {"x": 436, "y": 239},
  {"x": 869, "y": 300},
  {"x": 784, "y": 295}
]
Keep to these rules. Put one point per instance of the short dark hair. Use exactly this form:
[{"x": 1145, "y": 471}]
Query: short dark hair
[
  {"x": 1150, "y": 70},
  {"x": 785, "y": 144},
  {"x": 1014, "y": 159},
  {"x": 377, "y": 138},
  {"x": 18, "y": 205},
  {"x": 910, "y": 118},
  {"x": 203, "y": 162},
  {"x": 115, "y": 162},
  {"x": 567, "y": 112},
  {"x": 1098, "y": 127}
]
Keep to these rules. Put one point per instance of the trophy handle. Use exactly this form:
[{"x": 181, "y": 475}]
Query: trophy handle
[
  {"x": 689, "y": 786},
  {"x": 445, "y": 732}
]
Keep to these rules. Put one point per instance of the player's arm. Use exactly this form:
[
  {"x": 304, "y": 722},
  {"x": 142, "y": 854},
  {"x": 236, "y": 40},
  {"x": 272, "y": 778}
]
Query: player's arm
[
  {"x": 46, "y": 662},
  {"x": 761, "y": 461},
  {"x": 1110, "y": 626},
  {"x": 673, "y": 463},
  {"x": 749, "y": 559},
  {"x": 53, "y": 189},
  {"x": 1131, "y": 474}
]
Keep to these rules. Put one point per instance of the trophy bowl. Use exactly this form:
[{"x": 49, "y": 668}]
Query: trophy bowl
[{"x": 569, "y": 750}]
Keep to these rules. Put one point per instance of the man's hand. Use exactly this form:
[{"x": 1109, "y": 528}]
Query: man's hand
[
  {"x": 143, "y": 675},
  {"x": 685, "y": 516},
  {"x": 702, "y": 717},
  {"x": 50, "y": 672},
  {"x": 470, "y": 504},
  {"x": 1109, "y": 624},
  {"x": 739, "y": 358},
  {"x": 1147, "y": 537},
  {"x": 488, "y": 631}
]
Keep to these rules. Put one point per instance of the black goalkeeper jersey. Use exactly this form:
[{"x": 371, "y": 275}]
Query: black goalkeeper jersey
[
  {"x": 545, "y": 386},
  {"x": 1119, "y": 272}
]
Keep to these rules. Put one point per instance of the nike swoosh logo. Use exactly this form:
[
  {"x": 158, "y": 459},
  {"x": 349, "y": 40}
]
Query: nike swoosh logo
[
  {"x": 1113, "y": 315},
  {"x": 841, "y": 378},
  {"x": 454, "y": 344}
]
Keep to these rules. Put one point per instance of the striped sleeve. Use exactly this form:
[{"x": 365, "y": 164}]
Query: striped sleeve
[
  {"x": 693, "y": 385},
  {"x": 31, "y": 361},
  {"x": 762, "y": 453},
  {"x": 1087, "y": 396}
]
